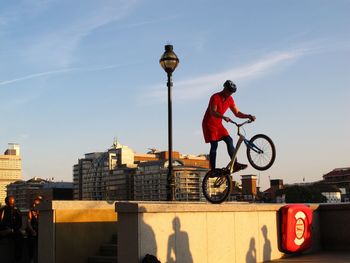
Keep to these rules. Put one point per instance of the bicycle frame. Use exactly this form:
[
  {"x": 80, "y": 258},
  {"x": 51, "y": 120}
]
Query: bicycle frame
[
  {"x": 218, "y": 184},
  {"x": 233, "y": 158},
  {"x": 238, "y": 145}
]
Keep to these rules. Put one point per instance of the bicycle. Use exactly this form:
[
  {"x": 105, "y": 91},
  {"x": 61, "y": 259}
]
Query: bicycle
[{"x": 261, "y": 153}]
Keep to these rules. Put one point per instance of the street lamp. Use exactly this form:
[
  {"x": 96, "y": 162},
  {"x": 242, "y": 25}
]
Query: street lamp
[{"x": 169, "y": 62}]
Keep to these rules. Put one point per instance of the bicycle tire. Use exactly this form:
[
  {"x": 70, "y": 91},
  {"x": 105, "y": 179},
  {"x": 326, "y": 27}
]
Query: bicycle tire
[
  {"x": 261, "y": 161},
  {"x": 215, "y": 191}
]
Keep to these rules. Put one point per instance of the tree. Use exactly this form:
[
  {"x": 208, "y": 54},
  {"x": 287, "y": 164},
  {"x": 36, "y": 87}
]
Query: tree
[{"x": 303, "y": 194}]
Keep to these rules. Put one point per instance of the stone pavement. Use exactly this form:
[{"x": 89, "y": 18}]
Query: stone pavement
[{"x": 319, "y": 257}]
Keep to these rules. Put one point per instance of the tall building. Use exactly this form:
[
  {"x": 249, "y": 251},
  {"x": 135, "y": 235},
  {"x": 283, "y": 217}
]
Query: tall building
[
  {"x": 269, "y": 195},
  {"x": 249, "y": 190},
  {"x": 121, "y": 174},
  {"x": 150, "y": 181},
  {"x": 26, "y": 191},
  {"x": 10, "y": 168}
]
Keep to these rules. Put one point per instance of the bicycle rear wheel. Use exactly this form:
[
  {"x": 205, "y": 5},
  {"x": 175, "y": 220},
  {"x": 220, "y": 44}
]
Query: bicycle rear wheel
[
  {"x": 261, "y": 152},
  {"x": 217, "y": 185}
]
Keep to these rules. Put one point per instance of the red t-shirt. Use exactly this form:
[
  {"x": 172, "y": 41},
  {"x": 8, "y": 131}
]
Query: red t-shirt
[{"x": 213, "y": 130}]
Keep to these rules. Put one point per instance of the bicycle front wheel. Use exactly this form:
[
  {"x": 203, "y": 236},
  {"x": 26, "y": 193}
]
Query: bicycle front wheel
[
  {"x": 261, "y": 152},
  {"x": 217, "y": 186}
]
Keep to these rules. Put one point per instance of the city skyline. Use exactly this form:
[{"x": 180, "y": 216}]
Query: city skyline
[{"x": 76, "y": 75}]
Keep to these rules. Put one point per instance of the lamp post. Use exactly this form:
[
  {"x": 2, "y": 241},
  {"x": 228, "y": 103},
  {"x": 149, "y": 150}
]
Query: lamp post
[{"x": 169, "y": 62}]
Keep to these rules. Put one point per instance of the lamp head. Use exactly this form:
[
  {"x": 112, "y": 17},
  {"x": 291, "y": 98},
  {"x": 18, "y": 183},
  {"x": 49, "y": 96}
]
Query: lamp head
[{"x": 169, "y": 60}]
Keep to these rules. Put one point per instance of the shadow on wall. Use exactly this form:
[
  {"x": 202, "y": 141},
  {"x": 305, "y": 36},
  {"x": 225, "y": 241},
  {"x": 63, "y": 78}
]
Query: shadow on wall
[
  {"x": 178, "y": 248},
  {"x": 251, "y": 254},
  {"x": 267, "y": 245},
  {"x": 178, "y": 245},
  {"x": 151, "y": 239}
]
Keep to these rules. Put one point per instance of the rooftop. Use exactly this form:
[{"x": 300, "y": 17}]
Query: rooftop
[{"x": 338, "y": 172}]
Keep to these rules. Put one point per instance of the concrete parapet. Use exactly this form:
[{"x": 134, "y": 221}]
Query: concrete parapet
[
  {"x": 71, "y": 231},
  {"x": 335, "y": 226},
  {"x": 199, "y": 232}
]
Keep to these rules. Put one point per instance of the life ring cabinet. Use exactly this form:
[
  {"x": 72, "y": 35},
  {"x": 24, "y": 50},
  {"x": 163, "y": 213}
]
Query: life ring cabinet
[{"x": 295, "y": 228}]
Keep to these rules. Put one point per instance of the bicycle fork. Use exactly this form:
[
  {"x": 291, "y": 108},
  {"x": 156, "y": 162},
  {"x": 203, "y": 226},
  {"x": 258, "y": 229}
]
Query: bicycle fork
[{"x": 252, "y": 146}]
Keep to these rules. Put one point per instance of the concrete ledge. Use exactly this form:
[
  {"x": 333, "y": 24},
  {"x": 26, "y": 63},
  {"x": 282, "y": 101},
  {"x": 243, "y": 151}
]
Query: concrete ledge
[
  {"x": 170, "y": 207},
  {"x": 76, "y": 205},
  {"x": 200, "y": 232},
  {"x": 71, "y": 231}
]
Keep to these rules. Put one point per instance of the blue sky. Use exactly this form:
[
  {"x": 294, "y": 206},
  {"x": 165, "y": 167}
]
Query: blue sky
[{"x": 76, "y": 74}]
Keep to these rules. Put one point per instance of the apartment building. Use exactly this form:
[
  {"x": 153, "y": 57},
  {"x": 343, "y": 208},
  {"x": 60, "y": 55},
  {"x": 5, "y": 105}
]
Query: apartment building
[
  {"x": 10, "y": 168},
  {"x": 26, "y": 191},
  {"x": 121, "y": 174}
]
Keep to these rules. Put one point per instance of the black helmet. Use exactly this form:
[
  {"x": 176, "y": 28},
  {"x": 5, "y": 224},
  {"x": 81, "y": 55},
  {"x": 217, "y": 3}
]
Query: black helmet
[{"x": 229, "y": 85}]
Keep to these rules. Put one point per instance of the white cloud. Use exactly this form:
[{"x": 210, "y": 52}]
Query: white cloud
[
  {"x": 192, "y": 89},
  {"x": 59, "y": 71},
  {"x": 57, "y": 47},
  {"x": 36, "y": 75}
]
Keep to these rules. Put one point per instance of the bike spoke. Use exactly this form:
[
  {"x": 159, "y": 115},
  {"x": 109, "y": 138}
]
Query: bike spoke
[
  {"x": 217, "y": 188},
  {"x": 261, "y": 152},
  {"x": 264, "y": 157}
]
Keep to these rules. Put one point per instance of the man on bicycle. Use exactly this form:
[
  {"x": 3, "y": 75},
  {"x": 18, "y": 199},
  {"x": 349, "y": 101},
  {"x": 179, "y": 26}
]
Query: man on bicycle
[{"x": 213, "y": 130}]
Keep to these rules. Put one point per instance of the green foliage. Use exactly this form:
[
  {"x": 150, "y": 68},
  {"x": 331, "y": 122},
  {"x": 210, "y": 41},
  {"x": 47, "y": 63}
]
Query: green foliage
[{"x": 304, "y": 194}]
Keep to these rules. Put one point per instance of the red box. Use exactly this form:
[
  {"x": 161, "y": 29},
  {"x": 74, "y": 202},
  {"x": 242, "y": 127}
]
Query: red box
[{"x": 296, "y": 227}]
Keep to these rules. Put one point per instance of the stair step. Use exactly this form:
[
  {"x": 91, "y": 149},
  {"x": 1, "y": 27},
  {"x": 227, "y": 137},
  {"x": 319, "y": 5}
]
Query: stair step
[
  {"x": 109, "y": 250},
  {"x": 102, "y": 259}
]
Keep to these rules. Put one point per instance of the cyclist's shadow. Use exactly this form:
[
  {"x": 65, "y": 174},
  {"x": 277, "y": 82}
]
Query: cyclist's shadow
[{"x": 178, "y": 243}]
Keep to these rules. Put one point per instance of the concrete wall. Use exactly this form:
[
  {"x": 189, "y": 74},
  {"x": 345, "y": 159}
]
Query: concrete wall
[
  {"x": 335, "y": 230},
  {"x": 200, "y": 232},
  {"x": 71, "y": 231}
]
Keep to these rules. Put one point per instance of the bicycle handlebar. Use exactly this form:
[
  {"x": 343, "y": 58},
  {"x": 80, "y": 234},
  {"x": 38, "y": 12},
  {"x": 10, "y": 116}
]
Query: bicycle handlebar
[{"x": 241, "y": 124}]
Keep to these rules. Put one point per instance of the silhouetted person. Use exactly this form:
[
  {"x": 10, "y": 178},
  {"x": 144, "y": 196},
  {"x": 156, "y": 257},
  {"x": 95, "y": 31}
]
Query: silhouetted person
[
  {"x": 32, "y": 230},
  {"x": 179, "y": 237},
  {"x": 10, "y": 225},
  {"x": 251, "y": 254},
  {"x": 267, "y": 245}
]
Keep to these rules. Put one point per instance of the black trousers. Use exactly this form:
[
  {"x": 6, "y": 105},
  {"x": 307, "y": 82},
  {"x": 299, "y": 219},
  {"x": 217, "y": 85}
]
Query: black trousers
[
  {"x": 214, "y": 146},
  {"x": 32, "y": 245}
]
